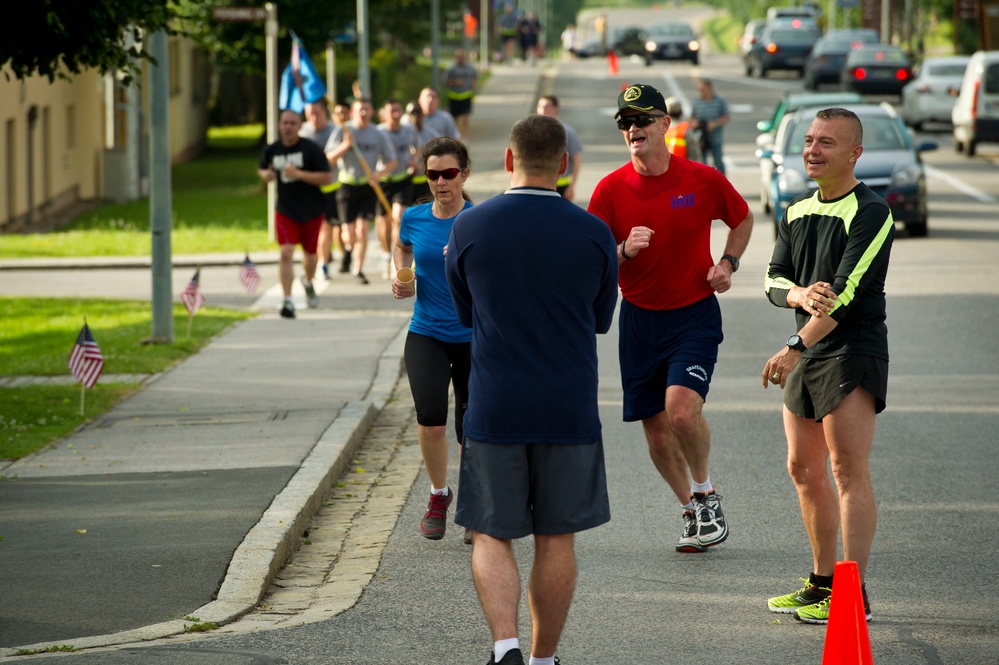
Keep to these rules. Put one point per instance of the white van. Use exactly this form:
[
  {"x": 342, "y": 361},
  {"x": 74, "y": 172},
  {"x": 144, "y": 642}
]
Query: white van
[{"x": 976, "y": 112}]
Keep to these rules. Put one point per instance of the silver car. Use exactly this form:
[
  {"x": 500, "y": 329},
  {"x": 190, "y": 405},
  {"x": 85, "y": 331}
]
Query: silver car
[{"x": 930, "y": 96}]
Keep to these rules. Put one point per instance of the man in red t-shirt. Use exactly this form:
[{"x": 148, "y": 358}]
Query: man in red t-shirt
[{"x": 660, "y": 208}]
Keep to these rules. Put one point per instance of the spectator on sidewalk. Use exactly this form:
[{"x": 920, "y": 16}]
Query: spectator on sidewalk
[
  {"x": 710, "y": 115},
  {"x": 356, "y": 145},
  {"x": 660, "y": 209},
  {"x": 548, "y": 105},
  {"x": 460, "y": 83},
  {"x": 533, "y": 458},
  {"x": 437, "y": 346},
  {"x": 300, "y": 169}
]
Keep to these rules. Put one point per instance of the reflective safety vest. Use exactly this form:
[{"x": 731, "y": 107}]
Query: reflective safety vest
[{"x": 676, "y": 138}]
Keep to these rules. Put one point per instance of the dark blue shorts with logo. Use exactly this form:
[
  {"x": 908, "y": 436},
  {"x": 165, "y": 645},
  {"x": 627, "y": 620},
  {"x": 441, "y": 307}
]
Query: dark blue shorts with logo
[{"x": 662, "y": 348}]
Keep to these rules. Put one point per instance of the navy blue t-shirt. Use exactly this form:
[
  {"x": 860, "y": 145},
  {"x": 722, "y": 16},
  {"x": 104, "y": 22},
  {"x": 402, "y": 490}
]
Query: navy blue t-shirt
[{"x": 536, "y": 278}]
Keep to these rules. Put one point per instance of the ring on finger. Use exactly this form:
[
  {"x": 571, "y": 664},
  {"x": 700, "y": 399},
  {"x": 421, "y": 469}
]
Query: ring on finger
[
  {"x": 811, "y": 302},
  {"x": 776, "y": 376}
]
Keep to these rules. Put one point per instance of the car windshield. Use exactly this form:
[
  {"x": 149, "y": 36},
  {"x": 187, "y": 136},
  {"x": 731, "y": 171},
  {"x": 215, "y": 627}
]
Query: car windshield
[
  {"x": 880, "y": 133},
  {"x": 879, "y": 56},
  {"x": 792, "y": 36},
  {"x": 950, "y": 70},
  {"x": 991, "y": 79},
  {"x": 670, "y": 30}
]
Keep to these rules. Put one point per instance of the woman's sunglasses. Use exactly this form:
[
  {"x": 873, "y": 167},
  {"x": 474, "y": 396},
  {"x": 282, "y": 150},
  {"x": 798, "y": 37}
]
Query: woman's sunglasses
[
  {"x": 641, "y": 120},
  {"x": 447, "y": 174}
]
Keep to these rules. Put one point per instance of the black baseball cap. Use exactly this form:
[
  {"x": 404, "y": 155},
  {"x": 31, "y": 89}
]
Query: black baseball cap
[{"x": 640, "y": 97}]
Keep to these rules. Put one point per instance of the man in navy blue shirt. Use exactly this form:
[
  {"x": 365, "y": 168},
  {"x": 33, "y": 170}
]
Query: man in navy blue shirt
[{"x": 533, "y": 458}]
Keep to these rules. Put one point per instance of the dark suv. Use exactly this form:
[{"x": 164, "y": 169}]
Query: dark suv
[{"x": 783, "y": 45}]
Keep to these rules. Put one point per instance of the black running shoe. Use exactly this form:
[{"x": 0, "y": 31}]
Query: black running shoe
[
  {"x": 288, "y": 310},
  {"x": 345, "y": 261},
  {"x": 361, "y": 279}
]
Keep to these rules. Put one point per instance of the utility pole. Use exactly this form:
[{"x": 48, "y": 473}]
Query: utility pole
[
  {"x": 160, "y": 204},
  {"x": 270, "y": 53},
  {"x": 435, "y": 41},
  {"x": 363, "y": 56}
]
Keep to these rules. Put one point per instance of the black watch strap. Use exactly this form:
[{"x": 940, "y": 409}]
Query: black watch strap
[{"x": 733, "y": 260}]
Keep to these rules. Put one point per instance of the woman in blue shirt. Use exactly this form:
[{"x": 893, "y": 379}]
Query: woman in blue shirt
[{"x": 438, "y": 345}]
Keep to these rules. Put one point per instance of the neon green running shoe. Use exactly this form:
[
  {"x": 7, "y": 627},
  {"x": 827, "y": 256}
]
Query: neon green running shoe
[
  {"x": 819, "y": 612},
  {"x": 809, "y": 594}
]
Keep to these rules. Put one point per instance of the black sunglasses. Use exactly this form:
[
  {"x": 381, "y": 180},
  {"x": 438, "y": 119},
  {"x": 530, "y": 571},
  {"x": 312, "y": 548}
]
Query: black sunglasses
[
  {"x": 447, "y": 174},
  {"x": 641, "y": 120}
]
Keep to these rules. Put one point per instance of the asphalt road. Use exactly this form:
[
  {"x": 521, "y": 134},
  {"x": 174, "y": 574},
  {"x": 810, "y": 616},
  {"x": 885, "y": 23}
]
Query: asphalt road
[{"x": 931, "y": 576}]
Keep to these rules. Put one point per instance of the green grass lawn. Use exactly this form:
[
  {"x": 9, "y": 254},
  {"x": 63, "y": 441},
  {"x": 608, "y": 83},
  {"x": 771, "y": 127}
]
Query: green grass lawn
[
  {"x": 36, "y": 338},
  {"x": 219, "y": 205}
]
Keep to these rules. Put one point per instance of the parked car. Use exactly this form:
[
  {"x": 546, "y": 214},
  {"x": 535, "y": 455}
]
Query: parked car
[
  {"x": 781, "y": 46},
  {"x": 749, "y": 36},
  {"x": 624, "y": 41},
  {"x": 671, "y": 40},
  {"x": 890, "y": 165},
  {"x": 825, "y": 62},
  {"x": 976, "y": 113},
  {"x": 788, "y": 104},
  {"x": 876, "y": 69},
  {"x": 932, "y": 92}
]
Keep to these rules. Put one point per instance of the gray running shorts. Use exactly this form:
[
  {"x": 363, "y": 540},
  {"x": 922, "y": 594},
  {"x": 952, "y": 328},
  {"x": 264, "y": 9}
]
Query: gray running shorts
[{"x": 509, "y": 490}]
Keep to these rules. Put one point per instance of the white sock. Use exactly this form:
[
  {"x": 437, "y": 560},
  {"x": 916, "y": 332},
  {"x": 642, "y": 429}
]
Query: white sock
[
  {"x": 702, "y": 488},
  {"x": 434, "y": 490},
  {"x": 288, "y": 301},
  {"x": 687, "y": 506},
  {"x": 542, "y": 661},
  {"x": 500, "y": 647}
]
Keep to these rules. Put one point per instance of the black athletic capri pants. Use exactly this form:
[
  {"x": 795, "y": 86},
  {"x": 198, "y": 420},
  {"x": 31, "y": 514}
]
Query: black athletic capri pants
[{"x": 432, "y": 365}]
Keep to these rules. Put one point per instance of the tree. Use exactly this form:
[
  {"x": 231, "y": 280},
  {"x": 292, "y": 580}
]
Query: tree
[{"x": 55, "y": 38}]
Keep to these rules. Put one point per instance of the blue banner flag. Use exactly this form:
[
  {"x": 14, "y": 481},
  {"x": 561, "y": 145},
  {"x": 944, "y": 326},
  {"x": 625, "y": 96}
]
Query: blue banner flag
[{"x": 300, "y": 82}]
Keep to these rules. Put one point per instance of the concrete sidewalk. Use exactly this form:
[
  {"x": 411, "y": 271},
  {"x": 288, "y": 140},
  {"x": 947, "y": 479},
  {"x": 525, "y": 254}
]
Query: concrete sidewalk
[{"x": 184, "y": 500}]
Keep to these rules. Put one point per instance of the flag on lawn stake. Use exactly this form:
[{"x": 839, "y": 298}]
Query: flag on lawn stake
[
  {"x": 85, "y": 360},
  {"x": 249, "y": 276},
  {"x": 300, "y": 82},
  {"x": 192, "y": 297}
]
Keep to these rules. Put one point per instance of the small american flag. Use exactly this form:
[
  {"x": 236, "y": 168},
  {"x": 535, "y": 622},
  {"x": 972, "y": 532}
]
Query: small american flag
[
  {"x": 249, "y": 276},
  {"x": 85, "y": 360},
  {"x": 192, "y": 297}
]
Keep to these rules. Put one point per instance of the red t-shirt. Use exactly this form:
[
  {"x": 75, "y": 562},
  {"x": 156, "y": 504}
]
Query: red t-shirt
[{"x": 679, "y": 206}]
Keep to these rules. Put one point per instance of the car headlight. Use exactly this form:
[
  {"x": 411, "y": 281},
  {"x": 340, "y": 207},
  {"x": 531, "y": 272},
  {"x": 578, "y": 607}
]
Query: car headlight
[
  {"x": 790, "y": 183},
  {"x": 694, "y": 45},
  {"x": 650, "y": 46},
  {"x": 905, "y": 176}
]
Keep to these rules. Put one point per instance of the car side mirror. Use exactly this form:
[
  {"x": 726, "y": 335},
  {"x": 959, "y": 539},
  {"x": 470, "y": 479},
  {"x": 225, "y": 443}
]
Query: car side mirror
[{"x": 927, "y": 146}]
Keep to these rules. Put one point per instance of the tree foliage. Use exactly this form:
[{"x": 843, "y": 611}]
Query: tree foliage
[{"x": 55, "y": 38}]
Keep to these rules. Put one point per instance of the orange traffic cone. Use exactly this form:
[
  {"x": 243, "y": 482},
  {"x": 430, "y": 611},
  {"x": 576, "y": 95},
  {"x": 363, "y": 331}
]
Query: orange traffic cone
[
  {"x": 612, "y": 62},
  {"x": 847, "y": 641}
]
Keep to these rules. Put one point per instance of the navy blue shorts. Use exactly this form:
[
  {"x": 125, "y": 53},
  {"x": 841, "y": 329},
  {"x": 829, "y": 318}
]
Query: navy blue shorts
[
  {"x": 662, "y": 348},
  {"x": 512, "y": 490}
]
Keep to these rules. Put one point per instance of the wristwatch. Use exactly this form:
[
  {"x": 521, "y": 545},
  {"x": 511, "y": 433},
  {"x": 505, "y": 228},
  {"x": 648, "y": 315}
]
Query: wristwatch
[
  {"x": 795, "y": 342},
  {"x": 733, "y": 260}
]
